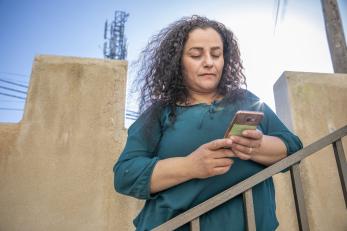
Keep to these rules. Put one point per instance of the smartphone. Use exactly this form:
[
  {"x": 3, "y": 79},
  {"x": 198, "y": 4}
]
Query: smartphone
[{"x": 243, "y": 120}]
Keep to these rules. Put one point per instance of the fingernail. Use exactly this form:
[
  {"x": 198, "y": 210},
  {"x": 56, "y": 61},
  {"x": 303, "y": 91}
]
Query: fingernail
[
  {"x": 229, "y": 141},
  {"x": 245, "y": 133}
]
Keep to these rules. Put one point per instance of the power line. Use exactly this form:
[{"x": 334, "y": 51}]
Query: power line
[
  {"x": 14, "y": 96},
  {"x": 132, "y": 112},
  {"x": 10, "y": 109},
  {"x": 9, "y": 82},
  {"x": 12, "y": 73},
  {"x": 12, "y": 79},
  {"x": 11, "y": 101},
  {"x": 130, "y": 117},
  {"x": 11, "y": 89}
]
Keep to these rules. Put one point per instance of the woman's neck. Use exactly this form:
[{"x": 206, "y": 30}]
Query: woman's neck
[{"x": 207, "y": 98}]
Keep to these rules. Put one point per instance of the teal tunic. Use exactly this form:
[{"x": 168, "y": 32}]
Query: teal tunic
[{"x": 194, "y": 126}]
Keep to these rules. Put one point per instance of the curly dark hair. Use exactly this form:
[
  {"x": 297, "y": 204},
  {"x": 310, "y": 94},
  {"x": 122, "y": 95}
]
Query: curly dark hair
[{"x": 160, "y": 75}]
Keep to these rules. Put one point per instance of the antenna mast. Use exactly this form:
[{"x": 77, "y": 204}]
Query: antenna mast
[{"x": 115, "y": 45}]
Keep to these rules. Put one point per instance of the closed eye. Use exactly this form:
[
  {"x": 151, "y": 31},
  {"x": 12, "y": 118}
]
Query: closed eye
[
  {"x": 195, "y": 56},
  {"x": 216, "y": 54}
]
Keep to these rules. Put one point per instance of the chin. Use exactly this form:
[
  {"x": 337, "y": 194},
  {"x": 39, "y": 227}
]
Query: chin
[
  {"x": 210, "y": 86},
  {"x": 208, "y": 89}
]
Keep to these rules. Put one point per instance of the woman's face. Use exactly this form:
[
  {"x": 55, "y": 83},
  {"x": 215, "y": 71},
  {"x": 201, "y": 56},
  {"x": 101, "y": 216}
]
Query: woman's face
[{"x": 202, "y": 61}]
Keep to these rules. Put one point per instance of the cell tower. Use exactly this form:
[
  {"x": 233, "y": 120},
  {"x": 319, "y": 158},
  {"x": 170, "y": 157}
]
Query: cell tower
[{"x": 115, "y": 46}]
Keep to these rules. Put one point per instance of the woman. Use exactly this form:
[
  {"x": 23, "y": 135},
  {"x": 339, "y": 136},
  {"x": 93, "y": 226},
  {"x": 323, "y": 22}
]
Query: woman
[{"x": 175, "y": 156}]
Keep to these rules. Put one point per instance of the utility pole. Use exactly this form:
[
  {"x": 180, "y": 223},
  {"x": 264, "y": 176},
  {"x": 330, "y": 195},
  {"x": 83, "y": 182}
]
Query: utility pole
[{"x": 335, "y": 35}]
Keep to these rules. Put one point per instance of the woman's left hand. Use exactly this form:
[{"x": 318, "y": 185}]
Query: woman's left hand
[{"x": 248, "y": 144}]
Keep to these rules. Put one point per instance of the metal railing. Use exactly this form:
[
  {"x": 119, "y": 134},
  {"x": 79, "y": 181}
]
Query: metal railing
[{"x": 245, "y": 187}]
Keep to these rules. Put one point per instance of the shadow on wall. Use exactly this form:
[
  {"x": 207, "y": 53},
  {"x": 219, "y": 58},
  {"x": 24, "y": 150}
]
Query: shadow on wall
[{"x": 56, "y": 164}]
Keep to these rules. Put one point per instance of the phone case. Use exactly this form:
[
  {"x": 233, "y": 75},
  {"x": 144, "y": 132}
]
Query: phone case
[{"x": 243, "y": 120}]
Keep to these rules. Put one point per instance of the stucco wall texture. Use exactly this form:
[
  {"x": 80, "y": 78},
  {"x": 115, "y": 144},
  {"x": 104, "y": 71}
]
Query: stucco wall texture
[
  {"x": 313, "y": 105},
  {"x": 56, "y": 164}
]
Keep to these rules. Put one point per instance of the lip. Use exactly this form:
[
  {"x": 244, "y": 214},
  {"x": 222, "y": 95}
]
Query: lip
[{"x": 207, "y": 74}]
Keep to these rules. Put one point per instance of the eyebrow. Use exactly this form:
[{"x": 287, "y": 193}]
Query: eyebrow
[{"x": 200, "y": 48}]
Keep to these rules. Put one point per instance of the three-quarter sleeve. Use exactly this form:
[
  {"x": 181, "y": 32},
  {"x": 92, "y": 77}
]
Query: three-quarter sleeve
[
  {"x": 273, "y": 126},
  {"x": 133, "y": 170}
]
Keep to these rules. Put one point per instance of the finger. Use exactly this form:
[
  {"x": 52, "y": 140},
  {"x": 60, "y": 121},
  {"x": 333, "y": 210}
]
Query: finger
[
  {"x": 219, "y": 143},
  {"x": 243, "y": 149},
  {"x": 227, "y": 152},
  {"x": 252, "y": 134},
  {"x": 245, "y": 142},
  {"x": 221, "y": 170},
  {"x": 223, "y": 152},
  {"x": 242, "y": 155},
  {"x": 223, "y": 162},
  {"x": 238, "y": 140}
]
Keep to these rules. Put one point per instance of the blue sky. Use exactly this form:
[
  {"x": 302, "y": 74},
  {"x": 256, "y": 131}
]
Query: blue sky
[{"x": 75, "y": 28}]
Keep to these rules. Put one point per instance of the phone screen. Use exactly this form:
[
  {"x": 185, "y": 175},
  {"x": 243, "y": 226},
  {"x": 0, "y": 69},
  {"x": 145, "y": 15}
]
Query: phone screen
[
  {"x": 237, "y": 129},
  {"x": 244, "y": 120}
]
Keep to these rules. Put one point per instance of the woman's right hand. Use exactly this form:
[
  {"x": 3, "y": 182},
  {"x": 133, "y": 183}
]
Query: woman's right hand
[
  {"x": 208, "y": 160},
  {"x": 211, "y": 159}
]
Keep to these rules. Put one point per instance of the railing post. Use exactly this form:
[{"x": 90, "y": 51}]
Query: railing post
[
  {"x": 195, "y": 225},
  {"x": 249, "y": 209},
  {"x": 341, "y": 166},
  {"x": 299, "y": 198}
]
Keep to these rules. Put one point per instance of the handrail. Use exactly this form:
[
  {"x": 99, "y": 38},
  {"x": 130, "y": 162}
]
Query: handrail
[{"x": 204, "y": 207}]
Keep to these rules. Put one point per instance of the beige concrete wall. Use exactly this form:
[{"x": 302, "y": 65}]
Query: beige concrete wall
[
  {"x": 56, "y": 164},
  {"x": 313, "y": 105}
]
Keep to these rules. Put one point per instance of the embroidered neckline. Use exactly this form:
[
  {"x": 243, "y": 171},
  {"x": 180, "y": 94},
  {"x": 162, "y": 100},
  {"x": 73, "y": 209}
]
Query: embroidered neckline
[{"x": 213, "y": 103}]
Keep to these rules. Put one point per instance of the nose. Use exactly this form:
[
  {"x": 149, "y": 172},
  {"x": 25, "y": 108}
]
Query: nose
[{"x": 208, "y": 61}]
